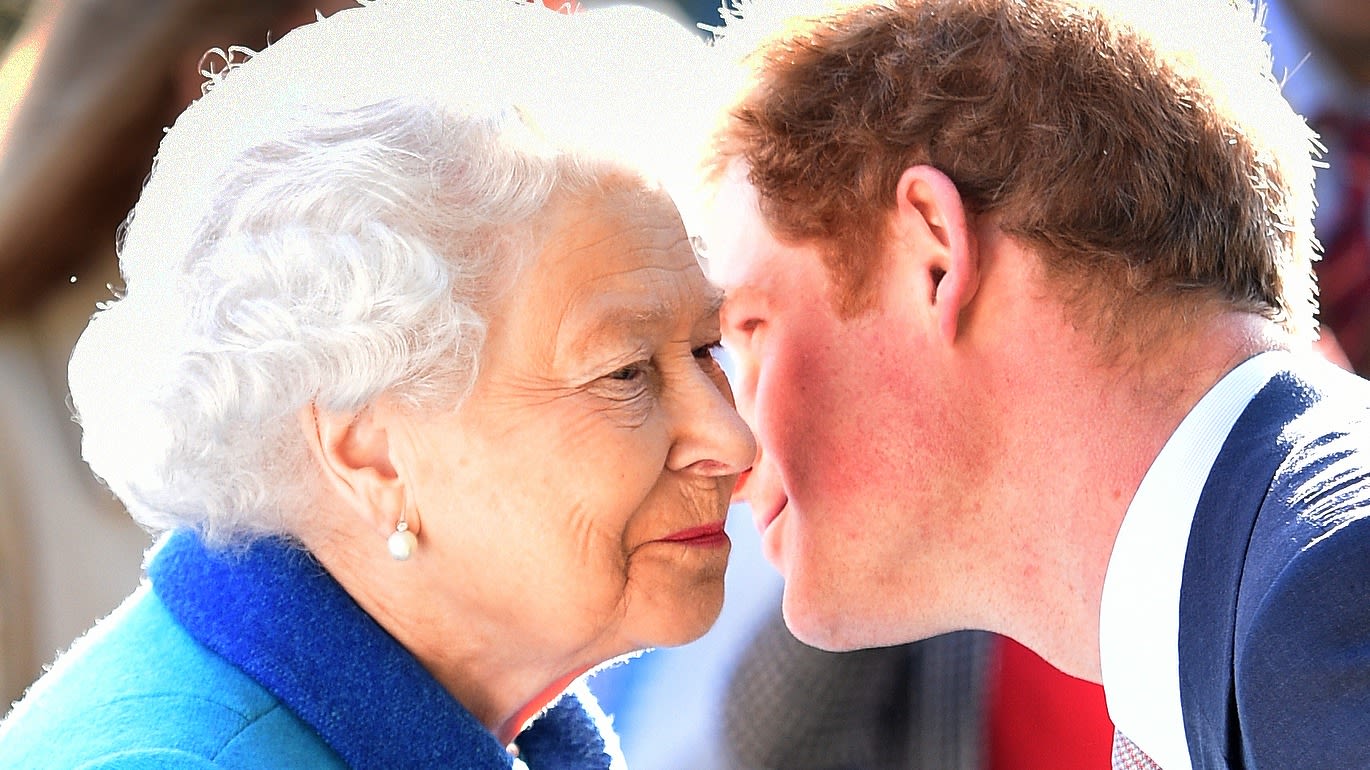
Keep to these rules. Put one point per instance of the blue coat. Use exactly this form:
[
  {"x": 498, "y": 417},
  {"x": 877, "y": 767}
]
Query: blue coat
[
  {"x": 1275, "y": 602},
  {"x": 260, "y": 660}
]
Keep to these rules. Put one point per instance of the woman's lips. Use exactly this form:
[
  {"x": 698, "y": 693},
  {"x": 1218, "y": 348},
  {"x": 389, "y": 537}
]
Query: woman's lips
[{"x": 705, "y": 535}]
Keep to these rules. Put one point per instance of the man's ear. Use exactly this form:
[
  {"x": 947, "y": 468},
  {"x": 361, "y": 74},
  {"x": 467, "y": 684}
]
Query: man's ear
[
  {"x": 931, "y": 218},
  {"x": 353, "y": 450}
]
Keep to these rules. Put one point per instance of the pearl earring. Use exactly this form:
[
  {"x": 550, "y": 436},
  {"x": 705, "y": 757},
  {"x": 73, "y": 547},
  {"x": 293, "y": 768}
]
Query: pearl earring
[{"x": 402, "y": 542}]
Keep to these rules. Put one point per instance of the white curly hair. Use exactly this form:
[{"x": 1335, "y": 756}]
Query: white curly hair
[{"x": 330, "y": 222}]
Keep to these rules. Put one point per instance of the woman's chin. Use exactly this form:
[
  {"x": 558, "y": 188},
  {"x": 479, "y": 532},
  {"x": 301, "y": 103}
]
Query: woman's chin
[{"x": 684, "y": 622}]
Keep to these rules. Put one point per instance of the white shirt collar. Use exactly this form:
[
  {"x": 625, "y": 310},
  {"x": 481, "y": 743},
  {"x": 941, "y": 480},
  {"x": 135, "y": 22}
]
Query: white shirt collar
[{"x": 1139, "y": 615}]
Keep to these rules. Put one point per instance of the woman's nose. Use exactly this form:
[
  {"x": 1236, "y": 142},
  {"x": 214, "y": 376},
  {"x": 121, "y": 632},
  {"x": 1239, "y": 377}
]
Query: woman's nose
[{"x": 710, "y": 436}]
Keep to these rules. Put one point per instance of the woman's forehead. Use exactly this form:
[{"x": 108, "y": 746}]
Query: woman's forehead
[
  {"x": 610, "y": 269},
  {"x": 625, "y": 235}
]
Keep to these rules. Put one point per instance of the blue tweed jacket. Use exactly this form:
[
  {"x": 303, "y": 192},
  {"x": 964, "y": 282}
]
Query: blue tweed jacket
[{"x": 261, "y": 660}]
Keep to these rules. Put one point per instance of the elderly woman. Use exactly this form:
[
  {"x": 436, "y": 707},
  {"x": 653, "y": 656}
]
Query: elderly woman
[{"x": 416, "y": 374}]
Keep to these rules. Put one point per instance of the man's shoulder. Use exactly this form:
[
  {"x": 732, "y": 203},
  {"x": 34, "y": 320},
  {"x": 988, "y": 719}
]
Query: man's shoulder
[
  {"x": 137, "y": 688},
  {"x": 1309, "y": 547},
  {"x": 1294, "y": 466},
  {"x": 1312, "y": 422},
  {"x": 1302, "y": 652},
  {"x": 1276, "y": 596},
  {"x": 1318, "y": 500}
]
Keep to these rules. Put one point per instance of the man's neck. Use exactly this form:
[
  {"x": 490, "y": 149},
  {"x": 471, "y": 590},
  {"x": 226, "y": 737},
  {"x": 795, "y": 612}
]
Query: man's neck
[{"x": 1100, "y": 428}]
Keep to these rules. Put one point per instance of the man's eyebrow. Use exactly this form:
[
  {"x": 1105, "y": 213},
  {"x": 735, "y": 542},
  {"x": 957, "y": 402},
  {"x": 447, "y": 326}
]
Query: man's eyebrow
[{"x": 741, "y": 292}]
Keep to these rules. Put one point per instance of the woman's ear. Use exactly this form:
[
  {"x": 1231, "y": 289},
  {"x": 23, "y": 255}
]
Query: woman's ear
[
  {"x": 353, "y": 450},
  {"x": 931, "y": 218}
]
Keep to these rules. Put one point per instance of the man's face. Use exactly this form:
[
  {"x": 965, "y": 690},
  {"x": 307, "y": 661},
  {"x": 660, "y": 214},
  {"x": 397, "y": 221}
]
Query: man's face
[{"x": 855, "y": 489}]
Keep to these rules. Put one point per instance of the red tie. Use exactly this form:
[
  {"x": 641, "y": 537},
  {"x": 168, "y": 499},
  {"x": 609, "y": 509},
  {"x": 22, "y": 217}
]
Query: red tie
[
  {"x": 1344, "y": 271},
  {"x": 1126, "y": 755}
]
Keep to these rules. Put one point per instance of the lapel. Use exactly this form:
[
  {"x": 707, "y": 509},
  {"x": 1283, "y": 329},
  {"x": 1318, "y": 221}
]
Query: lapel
[{"x": 1224, "y": 520}]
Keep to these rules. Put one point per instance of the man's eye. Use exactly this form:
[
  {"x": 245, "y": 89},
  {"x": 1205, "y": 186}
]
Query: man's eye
[{"x": 710, "y": 350}]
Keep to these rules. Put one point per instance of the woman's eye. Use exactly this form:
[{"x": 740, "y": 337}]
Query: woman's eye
[
  {"x": 628, "y": 384},
  {"x": 630, "y": 373}
]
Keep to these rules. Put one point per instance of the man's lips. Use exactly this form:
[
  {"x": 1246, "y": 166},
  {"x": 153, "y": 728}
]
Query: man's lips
[
  {"x": 764, "y": 516},
  {"x": 703, "y": 535}
]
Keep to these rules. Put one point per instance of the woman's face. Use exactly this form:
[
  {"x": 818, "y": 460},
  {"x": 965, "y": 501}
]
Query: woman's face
[{"x": 579, "y": 494}]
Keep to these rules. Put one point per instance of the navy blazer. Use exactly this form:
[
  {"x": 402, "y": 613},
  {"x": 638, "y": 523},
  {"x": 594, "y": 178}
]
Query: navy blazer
[{"x": 1274, "y": 638}]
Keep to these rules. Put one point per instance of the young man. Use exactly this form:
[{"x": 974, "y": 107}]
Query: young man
[{"x": 1021, "y": 300}]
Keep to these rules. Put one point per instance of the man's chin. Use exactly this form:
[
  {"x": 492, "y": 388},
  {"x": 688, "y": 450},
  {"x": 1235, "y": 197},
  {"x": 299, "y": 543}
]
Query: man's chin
[
  {"x": 839, "y": 623},
  {"x": 825, "y": 627}
]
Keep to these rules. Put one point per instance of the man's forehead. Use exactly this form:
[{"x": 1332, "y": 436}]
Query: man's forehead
[{"x": 736, "y": 234}]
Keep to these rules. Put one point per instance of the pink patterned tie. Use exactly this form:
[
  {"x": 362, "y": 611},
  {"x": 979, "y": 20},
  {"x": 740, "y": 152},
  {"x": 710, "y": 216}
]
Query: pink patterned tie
[{"x": 1126, "y": 755}]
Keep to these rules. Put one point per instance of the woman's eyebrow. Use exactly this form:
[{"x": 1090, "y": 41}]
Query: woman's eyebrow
[{"x": 610, "y": 317}]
